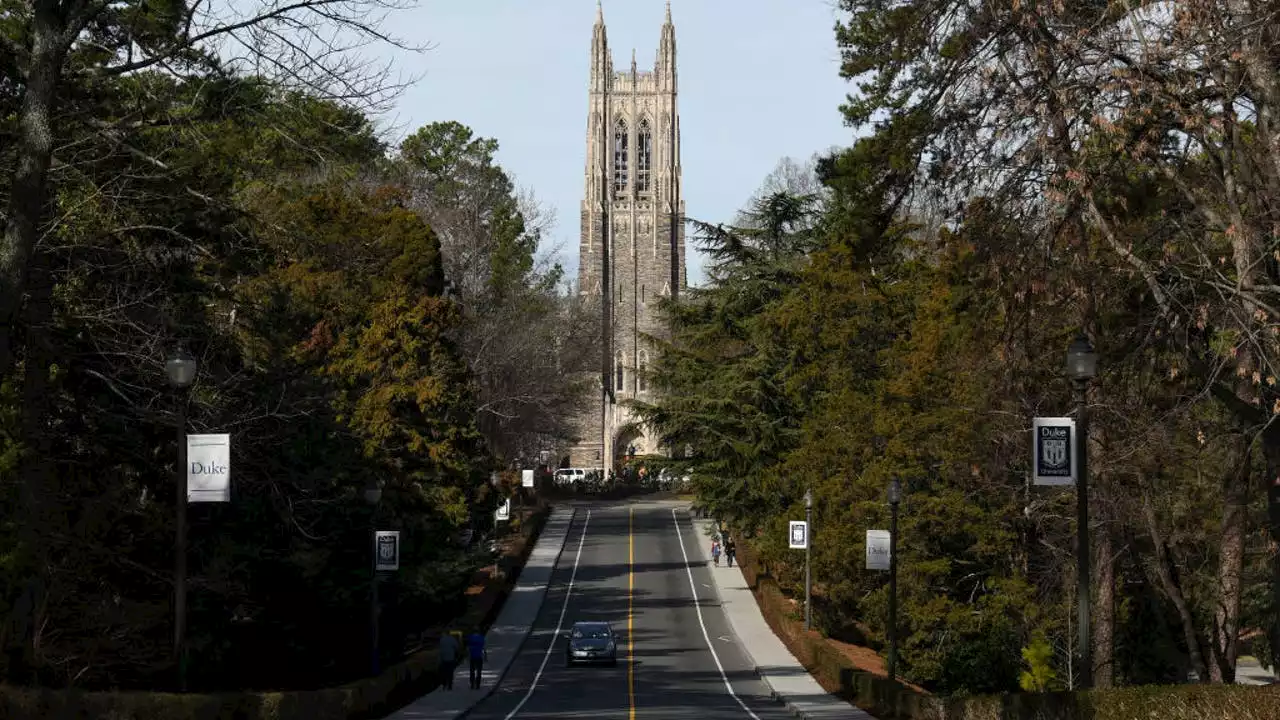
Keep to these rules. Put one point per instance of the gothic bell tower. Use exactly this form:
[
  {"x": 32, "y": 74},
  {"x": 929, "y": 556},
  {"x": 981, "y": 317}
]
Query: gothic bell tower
[{"x": 632, "y": 248}]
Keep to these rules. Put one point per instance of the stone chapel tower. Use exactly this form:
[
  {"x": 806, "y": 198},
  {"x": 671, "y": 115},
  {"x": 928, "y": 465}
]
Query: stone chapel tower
[{"x": 632, "y": 250}]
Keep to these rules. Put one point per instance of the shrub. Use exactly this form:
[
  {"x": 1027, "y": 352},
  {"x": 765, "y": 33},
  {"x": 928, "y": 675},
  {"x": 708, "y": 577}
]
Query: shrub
[{"x": 1039, "y": 675}]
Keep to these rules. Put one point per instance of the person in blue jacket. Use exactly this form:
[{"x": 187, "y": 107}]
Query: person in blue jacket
[{"x": 478, "y": 654}]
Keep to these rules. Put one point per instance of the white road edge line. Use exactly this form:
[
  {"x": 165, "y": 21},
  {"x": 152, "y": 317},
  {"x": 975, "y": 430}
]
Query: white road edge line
[
  {"x": 698, "y": 606},
  {"x": 556, "y": 636}
]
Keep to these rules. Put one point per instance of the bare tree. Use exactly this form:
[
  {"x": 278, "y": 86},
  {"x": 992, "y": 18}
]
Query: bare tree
[
  {"x": 791, "y": 177},
  {"x": 524, "y": 338}
]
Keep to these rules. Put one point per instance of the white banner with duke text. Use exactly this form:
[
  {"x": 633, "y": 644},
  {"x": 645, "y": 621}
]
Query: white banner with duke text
[
  {"x": 209, "y": 468},
  {"x": 878, "y": 550}
]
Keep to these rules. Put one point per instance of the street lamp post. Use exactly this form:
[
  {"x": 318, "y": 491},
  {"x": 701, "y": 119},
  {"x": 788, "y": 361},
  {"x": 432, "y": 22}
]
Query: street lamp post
[
  {"x": 520, "y": 489},
  {"x": 895, "y": 497},
  {"x": 808, "y": 545},
  {"x": 373, "y": 496},
  {"x": 495, "y": 480},
  {"x": 181, "y": 368},
  {"x": 1082, "y": 366}
]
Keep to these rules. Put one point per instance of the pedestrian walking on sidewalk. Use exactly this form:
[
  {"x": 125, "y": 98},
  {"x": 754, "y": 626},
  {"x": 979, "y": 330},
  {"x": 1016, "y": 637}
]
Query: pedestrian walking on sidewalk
[
  {"x": 730, "y": 550},
  {"x": 715, "y": 552},
  {"x": 478, "y": 653},
  {"x": 447, "y": 655}
]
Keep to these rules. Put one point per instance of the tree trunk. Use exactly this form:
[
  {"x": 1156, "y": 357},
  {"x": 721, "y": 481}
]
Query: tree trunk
[
  {"x": 1162, "y": 568},
  {"x": 39, "y": 491},
  {"x": 30, "y": 177},
  {"x": 1104, "y": 611},
  {"x": 1226, "y": 619},
  {"x": 1271, "y": 452},
  {"x": 50, "y": 39}
]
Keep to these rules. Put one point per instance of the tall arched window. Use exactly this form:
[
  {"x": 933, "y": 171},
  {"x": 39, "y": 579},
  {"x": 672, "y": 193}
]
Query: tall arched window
[
  {"x": 644, "y": 155},
  {"x": 640, "y": 378},
  {"x": 618, "y": 361},
  {"x": 620, "y": 148}
]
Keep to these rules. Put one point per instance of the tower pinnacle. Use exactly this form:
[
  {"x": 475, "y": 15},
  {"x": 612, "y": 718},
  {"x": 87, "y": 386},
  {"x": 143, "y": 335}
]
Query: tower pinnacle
[
  {"x": 600, "y": 12},
  {"x": 665, "y": 64}
]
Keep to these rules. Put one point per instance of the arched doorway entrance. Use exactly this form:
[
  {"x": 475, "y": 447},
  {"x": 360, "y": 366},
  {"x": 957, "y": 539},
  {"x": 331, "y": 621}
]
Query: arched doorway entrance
[{"x": 629, "y": 438}]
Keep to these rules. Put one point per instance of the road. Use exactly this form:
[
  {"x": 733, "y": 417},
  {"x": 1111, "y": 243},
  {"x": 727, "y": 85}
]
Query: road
[{"x": 632, "y": 565}]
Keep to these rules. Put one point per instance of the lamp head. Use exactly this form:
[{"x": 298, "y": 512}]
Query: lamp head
[
  {"x": 895, "y": 492},
  {"x": 1082, "y": 361},
  {"x": 181, "y": 368}
]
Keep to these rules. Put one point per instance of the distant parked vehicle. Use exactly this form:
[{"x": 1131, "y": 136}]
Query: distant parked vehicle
[
  {"x": 591, "y": 642},
  {"x": 569, "y": 476}
]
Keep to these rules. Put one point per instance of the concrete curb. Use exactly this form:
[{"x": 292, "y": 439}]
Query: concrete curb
[
  {"x": 701, "y": 525},
  {"x": 545, "y": 542},
  {"x": 542, "y": 592}
]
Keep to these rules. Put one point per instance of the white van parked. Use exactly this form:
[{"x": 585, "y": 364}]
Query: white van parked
[{"x": 569, "y": 476}]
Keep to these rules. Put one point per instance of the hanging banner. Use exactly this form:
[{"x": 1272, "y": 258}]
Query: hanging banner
[
  {"x": 878, "y": 550},
  {"x": 208, "y": 468},
  {"x": 1053, "y": 451},
  {"x": 526, "y": 478},
  {"x": 504, "y": 511},
  {"x": 799, "y": 535},
  {"x": 388, "y": 550}
]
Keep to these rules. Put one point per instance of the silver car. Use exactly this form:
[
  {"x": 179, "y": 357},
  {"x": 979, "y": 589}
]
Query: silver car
[{"x": 591, "y": 642}]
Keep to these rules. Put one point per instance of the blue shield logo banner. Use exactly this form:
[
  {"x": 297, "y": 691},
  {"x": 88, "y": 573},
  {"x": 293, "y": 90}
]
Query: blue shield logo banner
[
  {"x": 1053, "y": 451},
  {"x": 387, "y": 550}
]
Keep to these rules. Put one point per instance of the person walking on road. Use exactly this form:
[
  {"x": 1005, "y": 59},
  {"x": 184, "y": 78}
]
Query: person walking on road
[
  {"x": 447, "y": 655},
  {"x": 730, "y": 550},
  {"x": 715, "y": 552},
  {"x": 478, "y": 653}
]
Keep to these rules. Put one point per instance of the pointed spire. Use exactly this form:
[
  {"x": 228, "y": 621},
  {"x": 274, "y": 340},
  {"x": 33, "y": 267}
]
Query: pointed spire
[
  {"x": 665, "y": 65},
  {"x": 600, "y": 61}
]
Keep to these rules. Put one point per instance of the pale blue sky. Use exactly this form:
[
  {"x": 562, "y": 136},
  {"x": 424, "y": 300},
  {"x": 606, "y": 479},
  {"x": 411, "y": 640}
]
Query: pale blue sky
[{"x": 759, "y": 81}]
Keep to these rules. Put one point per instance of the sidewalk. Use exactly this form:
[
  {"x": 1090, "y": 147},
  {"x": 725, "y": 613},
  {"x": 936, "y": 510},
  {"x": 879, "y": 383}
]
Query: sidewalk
[
  {"x": 508, "y": 632},
  {"x": 785, "y": 677},
  {"x": 1250, "y": 672}
]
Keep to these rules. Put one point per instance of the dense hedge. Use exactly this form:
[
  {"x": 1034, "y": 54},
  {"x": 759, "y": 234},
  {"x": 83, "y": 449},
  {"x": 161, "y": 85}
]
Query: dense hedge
[
  {"x": 359, "y": 700},
  {"x": 1146, "y": 702},
  {"x": 615, "y": 492},
  {"x": 889, "y": 700}
]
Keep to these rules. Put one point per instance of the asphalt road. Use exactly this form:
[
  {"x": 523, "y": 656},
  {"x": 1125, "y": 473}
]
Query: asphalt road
[{"x": 623, "y": 563}]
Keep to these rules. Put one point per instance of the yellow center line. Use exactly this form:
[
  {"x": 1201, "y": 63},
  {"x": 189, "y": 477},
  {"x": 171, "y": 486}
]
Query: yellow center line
[{"x": 631, "y": 583}]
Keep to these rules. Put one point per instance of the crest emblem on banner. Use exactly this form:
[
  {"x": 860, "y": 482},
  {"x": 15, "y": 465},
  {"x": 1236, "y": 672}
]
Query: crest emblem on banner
[
  {"x": 1053, "y": 451},
  {"x": 387, "y": 550}
]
